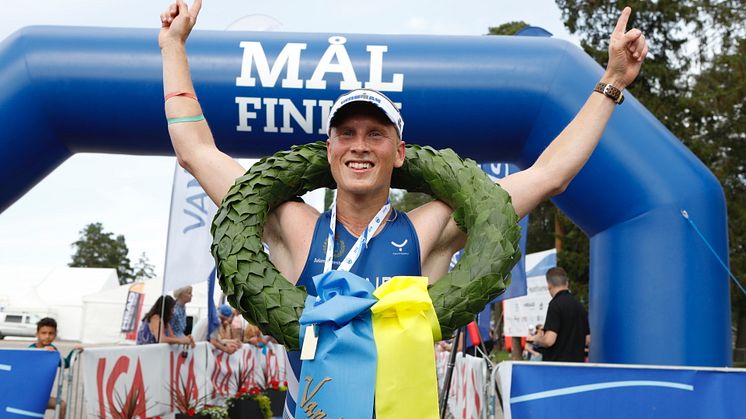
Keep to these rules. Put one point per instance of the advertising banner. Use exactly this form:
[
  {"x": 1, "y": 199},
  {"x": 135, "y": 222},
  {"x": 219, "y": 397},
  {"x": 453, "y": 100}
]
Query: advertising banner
[
  {"x": 559, "y": 390},
  {"x": 19, "y": 368},
  {"x": 154, "y": 380},
  {"x": 132, "y": 310}
]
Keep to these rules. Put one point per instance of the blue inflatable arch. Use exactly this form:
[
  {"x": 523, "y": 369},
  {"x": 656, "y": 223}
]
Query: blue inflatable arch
[{"x": 657, "y": 295}]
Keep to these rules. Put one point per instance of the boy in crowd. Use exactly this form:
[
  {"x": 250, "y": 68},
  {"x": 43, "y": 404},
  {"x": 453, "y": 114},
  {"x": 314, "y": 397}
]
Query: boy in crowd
[{"x": 46, "y": 333}]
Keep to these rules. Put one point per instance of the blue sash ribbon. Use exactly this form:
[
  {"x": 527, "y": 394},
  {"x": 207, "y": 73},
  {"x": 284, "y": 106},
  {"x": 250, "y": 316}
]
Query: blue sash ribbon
[{"x": 345, "y": 360}]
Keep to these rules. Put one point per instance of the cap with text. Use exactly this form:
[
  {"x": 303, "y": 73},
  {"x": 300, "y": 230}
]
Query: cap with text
[{"x": 370, "y": 96}]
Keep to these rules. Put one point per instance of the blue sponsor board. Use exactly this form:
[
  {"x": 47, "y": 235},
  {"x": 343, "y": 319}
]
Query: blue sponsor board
[
  {"x": 26, "y": 378},
  {"x": 556, "y": 390}
]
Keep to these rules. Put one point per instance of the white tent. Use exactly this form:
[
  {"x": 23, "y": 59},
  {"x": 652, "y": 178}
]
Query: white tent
[
  {"x": 57, "y": 292},
  {"x": 18, "y": 283},
  {"x": 104, "y": 310}
]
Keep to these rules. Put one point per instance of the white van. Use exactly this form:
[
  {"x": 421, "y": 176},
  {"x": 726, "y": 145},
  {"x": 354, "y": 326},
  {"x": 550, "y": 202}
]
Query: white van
[{"x": 18, "y": 323}]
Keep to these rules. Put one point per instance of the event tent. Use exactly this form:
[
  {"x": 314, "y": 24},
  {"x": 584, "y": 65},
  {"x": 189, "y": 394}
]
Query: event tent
[
  {"x": 104, "y": 310},
  {"x": 57, "y": 292}
]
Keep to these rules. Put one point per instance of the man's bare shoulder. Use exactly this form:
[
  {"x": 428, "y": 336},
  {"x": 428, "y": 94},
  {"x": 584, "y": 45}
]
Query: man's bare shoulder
[
  {"x": 430, "y": 211},
  {"x": 291, "y": 222},
  {"x": 289, "y": 231},
  {"x": 431, "y": 221},
  {"x": 297, "y": 210},
  {"x": 438, "y": 235}
]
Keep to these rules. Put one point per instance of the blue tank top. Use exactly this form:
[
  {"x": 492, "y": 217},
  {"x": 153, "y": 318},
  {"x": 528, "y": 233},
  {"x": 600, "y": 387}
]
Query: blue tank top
[{"x": 394, "y": 251}]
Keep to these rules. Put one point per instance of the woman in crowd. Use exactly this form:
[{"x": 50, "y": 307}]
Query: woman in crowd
[
  {"x": 179, "y": 319},
  {"x": 153, "y": 325}
]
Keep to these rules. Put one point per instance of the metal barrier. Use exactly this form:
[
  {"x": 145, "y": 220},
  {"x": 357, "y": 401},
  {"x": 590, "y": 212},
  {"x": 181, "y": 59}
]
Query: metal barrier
[
  {"x": 75, "y": 394},
  {"x": 485, "y": 390},
  {"x": 59, "y": 379},
  {"x": 493, "y": 394},
  {"x": 69, "y": 382}
]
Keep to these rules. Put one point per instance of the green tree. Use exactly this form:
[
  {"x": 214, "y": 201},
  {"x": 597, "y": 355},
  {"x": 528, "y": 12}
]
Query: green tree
[
  {"x": 99, "y": 249},
  {"x": 682, "y": 35},
  {"x": 510, "y": 28},
  {"x": 695, "y": 83},
  {"x": 720, "y": 140},
  {"x": 143, "y": 269}
]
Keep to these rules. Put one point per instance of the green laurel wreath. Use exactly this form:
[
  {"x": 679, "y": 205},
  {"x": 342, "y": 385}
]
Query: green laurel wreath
[{"x": 256, "y": 288}]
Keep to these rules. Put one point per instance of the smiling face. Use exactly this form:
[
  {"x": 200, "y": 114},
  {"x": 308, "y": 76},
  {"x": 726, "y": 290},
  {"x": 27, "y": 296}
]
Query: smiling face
[{"x": 363, "y": 149}]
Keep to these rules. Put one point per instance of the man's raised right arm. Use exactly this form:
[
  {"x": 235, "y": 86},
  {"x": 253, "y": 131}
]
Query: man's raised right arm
[{"x": 191, "y": 137}]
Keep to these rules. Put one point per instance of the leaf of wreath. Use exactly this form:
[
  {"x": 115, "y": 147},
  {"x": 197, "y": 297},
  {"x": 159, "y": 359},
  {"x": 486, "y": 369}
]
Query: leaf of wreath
[{"x": 256, "y": 288}]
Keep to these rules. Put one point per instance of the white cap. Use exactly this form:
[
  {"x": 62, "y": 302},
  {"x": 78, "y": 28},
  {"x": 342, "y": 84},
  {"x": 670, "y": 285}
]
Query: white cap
[{"x": 371, "y": 96}]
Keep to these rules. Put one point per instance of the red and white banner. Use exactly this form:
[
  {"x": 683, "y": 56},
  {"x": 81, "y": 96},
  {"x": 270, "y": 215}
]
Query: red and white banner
[
  {"x": 154, "y": 380},
  {"x": 466, "y": 398}
]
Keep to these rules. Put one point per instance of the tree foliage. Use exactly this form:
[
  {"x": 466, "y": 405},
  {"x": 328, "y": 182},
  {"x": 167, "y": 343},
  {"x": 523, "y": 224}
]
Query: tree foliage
[
  {"x": 694, "y": 81},
  {"x": 510, "y": 28},
  {"x": 97, "y": 248},
  {"x": 683, "y": 37},
  {"x": 719, "y": 138},
  {"x": 143, "y": 269}
]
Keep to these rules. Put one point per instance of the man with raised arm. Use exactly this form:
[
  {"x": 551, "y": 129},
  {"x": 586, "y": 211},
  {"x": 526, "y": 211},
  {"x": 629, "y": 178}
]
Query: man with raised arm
[{"x": 364, "y": 146}]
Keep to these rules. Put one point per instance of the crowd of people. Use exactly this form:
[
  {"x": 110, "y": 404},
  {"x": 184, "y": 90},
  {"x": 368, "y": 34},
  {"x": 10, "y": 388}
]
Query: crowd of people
[
  {"x": 565, "y": 336},
  {"x": 166, "y": 322}
]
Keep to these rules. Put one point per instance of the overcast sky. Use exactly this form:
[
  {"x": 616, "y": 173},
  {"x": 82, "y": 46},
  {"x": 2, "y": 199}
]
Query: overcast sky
[{"x": 130, "y": 195}]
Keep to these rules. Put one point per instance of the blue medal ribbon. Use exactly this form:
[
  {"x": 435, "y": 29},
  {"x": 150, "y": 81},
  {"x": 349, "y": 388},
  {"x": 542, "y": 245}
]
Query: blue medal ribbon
[{"x": 345, "y": 359}]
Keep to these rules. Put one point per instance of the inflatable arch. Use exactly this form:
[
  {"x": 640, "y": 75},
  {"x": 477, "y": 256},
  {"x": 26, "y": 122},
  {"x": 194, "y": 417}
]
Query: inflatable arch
[{"x": 657, "y": 295}]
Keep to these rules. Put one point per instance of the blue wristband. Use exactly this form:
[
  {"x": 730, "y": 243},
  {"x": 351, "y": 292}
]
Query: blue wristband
[{"x": 197, "y": 118}]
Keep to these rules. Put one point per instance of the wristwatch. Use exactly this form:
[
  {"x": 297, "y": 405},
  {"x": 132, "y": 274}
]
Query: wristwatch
[{"x": 611, "y": 92}]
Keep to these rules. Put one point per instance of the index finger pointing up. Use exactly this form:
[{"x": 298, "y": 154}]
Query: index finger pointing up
[
  {"x": 621, "y": 24},
  {"x": 195, "y": 7}
]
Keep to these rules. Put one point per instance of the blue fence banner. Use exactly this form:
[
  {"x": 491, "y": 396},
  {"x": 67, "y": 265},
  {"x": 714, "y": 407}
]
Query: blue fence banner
[
  {"x": 26, "y": 378},
  {"x": 561, "y": 390}
]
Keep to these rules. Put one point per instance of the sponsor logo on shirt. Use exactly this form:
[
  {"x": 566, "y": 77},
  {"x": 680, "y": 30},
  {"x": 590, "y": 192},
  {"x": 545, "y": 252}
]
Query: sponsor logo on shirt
[
  {"x": 339, "y": 249},
  {"x": 400, "y": 248}
]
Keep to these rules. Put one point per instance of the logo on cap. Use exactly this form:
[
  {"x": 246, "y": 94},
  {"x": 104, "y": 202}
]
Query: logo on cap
[{"x": 371, "y": 96}]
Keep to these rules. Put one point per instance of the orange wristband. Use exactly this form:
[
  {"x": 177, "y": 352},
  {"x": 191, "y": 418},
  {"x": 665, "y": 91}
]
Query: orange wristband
[{"x": 185, "y": 94}]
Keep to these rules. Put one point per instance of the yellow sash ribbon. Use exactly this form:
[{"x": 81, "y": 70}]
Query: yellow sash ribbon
[{"x": 405, "y": 327}]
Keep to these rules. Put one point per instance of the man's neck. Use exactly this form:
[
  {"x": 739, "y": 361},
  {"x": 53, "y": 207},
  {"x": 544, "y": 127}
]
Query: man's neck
[
  {"x": 355, "y": 213},
  {"x": 558, "y": 290}
]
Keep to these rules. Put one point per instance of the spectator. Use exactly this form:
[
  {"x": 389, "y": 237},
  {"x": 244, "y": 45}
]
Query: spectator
[
  {"x": 238, "y": 324},
  {"x": 153, "y": 326},
  {"x": 179, "y": 319},
  {"x": 46, "y": 333},
  {"x": 253, "y": 335},
  {"x": 566, "y": 331},
  {"x": 222, "y": 337},
  {"x": 533, "y": 352}
]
